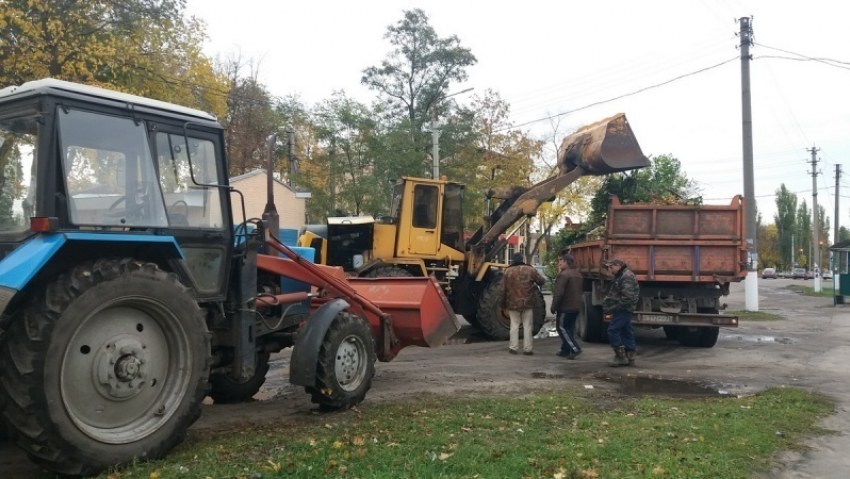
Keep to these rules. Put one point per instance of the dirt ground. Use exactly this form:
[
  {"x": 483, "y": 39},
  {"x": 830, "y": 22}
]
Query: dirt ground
[{"x": 811, "y": 349}]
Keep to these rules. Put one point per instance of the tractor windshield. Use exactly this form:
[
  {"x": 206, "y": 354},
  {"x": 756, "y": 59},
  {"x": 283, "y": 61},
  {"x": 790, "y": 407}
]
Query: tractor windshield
[
  {"x": 17, "y": 169},
  {"x": 109, "y": 172}
]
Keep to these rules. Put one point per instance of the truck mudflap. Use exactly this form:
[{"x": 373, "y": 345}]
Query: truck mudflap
[{"x": 682, "y": 319}]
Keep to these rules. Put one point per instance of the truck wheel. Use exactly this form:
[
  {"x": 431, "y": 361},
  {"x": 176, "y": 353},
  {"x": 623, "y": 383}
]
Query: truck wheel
[
  {"x": 591, "y": 325},
  {"x": 346, "y": 364},
  {"x": 226, "y": 390},
  {"x": 108, "y": 364},
  {"x": 700, "y": 337},
  {"x": 672, "y": 332},
  {"x": 495, "y": 321}
]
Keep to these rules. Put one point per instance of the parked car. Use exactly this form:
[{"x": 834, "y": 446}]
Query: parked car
[
  {"x": 799, "y": 273},
  {"x": 827, "y": 275},
  {"x": 768, "y": 273}
]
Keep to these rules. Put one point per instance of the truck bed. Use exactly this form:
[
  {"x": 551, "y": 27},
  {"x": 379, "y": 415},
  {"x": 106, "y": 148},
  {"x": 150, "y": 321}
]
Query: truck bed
[{"x": 670, "y": 243}]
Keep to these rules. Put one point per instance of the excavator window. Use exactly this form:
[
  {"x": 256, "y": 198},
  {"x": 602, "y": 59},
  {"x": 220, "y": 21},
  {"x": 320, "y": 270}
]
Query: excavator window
[
  {"x": 452, "y": 226},
  {"x": 425, "y": 200}
]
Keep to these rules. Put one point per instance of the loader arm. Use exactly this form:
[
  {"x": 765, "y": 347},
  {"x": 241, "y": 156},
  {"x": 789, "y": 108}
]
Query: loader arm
[{"x": 604, "y": 147}]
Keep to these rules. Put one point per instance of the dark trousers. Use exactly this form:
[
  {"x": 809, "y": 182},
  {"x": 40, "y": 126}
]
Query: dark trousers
[
  {"x": 620, "y": 332},
  {"x": 566, "y": 325}
]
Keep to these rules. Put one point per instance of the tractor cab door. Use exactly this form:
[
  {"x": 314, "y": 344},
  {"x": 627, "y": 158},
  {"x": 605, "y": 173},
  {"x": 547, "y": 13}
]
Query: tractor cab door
[
  {"x": 188, "y": 169},
  {"x": 423, "y": 234}
]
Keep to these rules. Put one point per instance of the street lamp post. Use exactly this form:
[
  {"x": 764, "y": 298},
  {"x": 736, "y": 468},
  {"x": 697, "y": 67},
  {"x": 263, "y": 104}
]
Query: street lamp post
[{"x": 435, "y": 132}]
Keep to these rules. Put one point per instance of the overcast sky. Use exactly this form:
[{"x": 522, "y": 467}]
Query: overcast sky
[{"x": 548, "y": 57}]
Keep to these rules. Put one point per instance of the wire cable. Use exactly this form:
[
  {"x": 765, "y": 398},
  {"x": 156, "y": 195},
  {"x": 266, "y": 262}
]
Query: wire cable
[{"x": 601, "y": 102}]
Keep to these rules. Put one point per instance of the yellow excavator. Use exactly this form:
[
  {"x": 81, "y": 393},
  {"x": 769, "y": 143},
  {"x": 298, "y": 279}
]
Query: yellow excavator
[{"x": 423, "y": 234}]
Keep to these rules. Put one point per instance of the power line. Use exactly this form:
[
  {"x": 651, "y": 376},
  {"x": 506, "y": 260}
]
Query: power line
[
  {"x": 601, "y": 102},
  {"x": 804, "y": 56}
]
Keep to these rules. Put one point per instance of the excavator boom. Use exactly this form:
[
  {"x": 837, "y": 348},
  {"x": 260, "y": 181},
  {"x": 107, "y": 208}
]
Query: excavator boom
[{"x": 607, "y": 146}]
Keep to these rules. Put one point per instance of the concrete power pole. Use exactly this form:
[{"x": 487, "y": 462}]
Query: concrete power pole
[
  {"x": 834, "y": 260},
  {"x": 752, "y": 292},
  {"x": 435, "y": 147},
  {"x": 815, "y": 217}
]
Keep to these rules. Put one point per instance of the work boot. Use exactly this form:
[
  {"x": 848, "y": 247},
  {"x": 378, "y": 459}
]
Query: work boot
[
  {"x": 630, "y": 355},
  {"x": 620, "y": 358}
]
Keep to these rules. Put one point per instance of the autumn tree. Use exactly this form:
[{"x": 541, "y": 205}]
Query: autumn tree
[
  {"x": 250, "y": 117},
  {"x": 145, "y": 47},
  {"x": 496, "y": 158},
  {"x": 768, "y": 246}
]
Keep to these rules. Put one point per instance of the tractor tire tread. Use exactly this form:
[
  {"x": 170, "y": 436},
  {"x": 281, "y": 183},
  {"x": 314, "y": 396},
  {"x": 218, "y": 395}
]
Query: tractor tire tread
[{"x": 22, "y": 396}]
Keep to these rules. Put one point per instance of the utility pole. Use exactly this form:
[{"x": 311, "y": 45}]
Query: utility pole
[
  {"x": 834, "y": 259},
  {"x": 751, "y": 288},
  {"x": 793, "y": 261},
  {"x": 815, "y": 216},
  {"x": 293, "y": 167},
  {"x": 435, "y": 140}
]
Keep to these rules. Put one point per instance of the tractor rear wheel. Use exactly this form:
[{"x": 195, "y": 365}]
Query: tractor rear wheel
[
  {"x": 346, "y": 364},
  {"x": 495, "y": 321},
  {"x": 108, "y": 364},
  {"x": 226, "y": 390}
]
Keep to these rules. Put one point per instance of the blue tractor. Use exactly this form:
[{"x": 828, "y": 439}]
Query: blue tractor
[{"x": 126, "y": 294}]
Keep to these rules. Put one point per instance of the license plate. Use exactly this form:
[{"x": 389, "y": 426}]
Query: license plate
[{"x": 656, "y": 318}]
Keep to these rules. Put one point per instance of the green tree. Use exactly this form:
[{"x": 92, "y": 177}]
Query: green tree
[
  {"x": 410, "y": 80},
  {"x": 843, "y": 234},
  {"x": 803, "y": 238},
  {"x": 785, "y": 220},
  {"x": 348, "y": 131},
  {"x": 662, "y": 182}
]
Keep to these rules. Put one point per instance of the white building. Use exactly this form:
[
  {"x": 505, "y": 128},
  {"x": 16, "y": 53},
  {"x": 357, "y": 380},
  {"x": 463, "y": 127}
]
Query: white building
[{"x": 290, "y": 204}]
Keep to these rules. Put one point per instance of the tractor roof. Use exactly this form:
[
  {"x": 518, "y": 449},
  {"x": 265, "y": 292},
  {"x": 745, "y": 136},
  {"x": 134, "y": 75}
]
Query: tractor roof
[{"x": 62, "y": 88}]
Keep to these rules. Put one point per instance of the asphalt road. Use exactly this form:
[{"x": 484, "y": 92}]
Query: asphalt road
[{"x": 810, "y": 349}]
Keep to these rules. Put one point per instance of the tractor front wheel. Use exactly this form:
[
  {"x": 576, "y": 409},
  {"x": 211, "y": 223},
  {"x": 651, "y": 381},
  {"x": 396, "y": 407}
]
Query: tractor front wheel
[
  {"x": 108, "y": 364},
  {"x": 346, "y": 364}
]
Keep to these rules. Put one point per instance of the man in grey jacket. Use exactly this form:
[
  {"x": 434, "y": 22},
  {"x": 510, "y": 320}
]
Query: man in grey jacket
[{"x": 620, "y": 302}]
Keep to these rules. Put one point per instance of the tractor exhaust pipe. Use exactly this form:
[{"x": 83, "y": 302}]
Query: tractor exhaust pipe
[{"x": 271, "y": 220}]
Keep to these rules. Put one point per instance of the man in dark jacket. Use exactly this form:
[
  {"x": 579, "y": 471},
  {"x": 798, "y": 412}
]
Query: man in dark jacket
[
  {"x": 519, "y": 295},
  {"x": 566, "y": 302},
  {"x": 620, "y": 302}
]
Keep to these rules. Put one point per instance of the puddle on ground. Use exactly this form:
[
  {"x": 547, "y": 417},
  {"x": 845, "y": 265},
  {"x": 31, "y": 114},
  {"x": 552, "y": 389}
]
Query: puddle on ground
[
  {"x": 760, "y": 339},
  {"x": 654, "y": 386}
]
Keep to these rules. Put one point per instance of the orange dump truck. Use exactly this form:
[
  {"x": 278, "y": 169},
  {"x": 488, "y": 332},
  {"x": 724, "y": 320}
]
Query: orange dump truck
[{"x": 684, "y": 257}]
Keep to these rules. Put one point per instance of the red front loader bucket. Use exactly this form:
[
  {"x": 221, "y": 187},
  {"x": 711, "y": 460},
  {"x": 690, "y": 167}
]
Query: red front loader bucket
[{"x": 420, "y": 312}]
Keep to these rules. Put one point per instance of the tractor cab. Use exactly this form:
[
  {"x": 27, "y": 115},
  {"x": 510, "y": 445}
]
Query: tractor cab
[{"x": 114, "y": 170}]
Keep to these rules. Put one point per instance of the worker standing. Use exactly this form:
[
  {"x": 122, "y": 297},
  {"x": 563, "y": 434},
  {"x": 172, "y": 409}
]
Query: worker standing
[
  {"x": 566, "y": 303},
  {"x": 620, "y": 302},
  {"x": 519, "y": 295}
]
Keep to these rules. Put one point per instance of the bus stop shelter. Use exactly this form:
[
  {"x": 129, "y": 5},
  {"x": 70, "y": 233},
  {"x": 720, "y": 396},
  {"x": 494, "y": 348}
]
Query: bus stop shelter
[{"x": 841, "y": 279}]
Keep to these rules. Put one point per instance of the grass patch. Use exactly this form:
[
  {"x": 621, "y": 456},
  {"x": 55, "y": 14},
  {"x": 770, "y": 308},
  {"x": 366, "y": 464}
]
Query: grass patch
[
  {"x": 756, "y": 315},
  {"x": 810, "y": 291},
  {"x": 546, "y": 435}
]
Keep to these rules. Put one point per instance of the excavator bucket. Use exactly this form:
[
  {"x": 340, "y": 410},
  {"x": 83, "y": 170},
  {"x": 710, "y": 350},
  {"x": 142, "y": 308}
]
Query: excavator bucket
[{"x": 604, "y": 147}]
